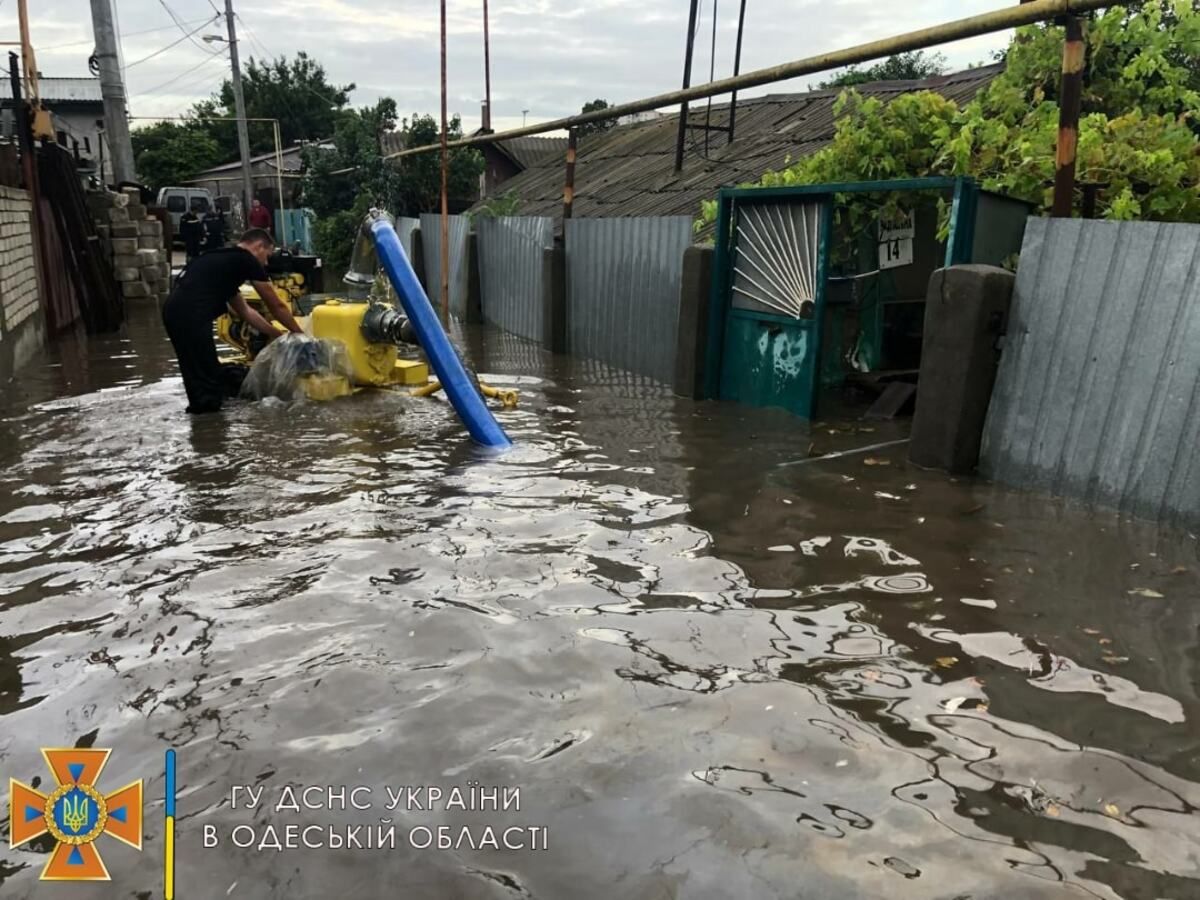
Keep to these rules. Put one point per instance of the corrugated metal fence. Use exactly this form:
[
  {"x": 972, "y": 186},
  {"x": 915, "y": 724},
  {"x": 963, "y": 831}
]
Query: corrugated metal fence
[
  {"x": 623, "y": 281},
  {"x": 405, "y": 226},
  {"x": 1098, "y": 393},
  {"x": 511, "y": 272},
  {"x": 431, "y": 241}
]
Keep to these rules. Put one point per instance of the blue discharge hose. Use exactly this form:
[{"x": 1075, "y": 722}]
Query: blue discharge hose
[{"x": 460, "y": 389}]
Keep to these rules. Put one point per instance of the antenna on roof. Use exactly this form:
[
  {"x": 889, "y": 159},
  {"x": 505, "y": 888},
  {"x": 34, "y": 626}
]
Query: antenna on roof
[{"x": 685, "y": 125}]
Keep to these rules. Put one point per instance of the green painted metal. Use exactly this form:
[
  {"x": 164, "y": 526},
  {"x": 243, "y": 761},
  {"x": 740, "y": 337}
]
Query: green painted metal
[
  {"x": 772, "y": 360},
  {"x": 718, "y": 301}
]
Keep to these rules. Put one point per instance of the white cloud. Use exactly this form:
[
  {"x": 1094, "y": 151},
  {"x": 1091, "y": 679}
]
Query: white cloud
[{"x": 548, "y": 56}]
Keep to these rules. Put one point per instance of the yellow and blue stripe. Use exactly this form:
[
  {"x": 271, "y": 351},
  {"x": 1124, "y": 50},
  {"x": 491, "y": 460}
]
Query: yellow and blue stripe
[{"x": 169, "y": 842}]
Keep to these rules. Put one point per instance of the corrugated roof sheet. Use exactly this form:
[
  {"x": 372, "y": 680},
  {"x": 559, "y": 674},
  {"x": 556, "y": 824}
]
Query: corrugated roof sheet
[
  {"x": 61, "y": 90},
  {"x": 529, "y": 151},
  {"x": 524, "y": 151},
  {"x": 630, "y": 170},
  {"x": 293, "y": 161}
]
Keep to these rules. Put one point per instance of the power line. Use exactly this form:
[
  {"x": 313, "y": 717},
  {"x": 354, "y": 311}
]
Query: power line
[
  {"x": 179, "y": 23},
  {"x": 174, "y": 43},
  {"x": 271, "y": 56},
  {"x": 191, "y": 71},
  {"x": 129, "y": 34}
]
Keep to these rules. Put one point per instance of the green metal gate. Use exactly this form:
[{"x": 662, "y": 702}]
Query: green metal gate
[{"x": 770, "y": 282}]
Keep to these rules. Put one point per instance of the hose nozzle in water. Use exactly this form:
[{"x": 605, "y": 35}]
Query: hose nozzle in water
[{"x": 364, "y": 261}]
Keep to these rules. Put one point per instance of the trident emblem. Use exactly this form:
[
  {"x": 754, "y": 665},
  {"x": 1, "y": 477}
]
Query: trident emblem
[{"x": 75, "y": 814}]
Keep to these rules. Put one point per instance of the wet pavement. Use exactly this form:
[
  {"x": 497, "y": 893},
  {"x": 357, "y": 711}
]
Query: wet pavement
[{"x": 708, "y": 673}]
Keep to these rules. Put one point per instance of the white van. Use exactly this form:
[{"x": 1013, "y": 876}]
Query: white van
[{"x": 178, "y": 200}]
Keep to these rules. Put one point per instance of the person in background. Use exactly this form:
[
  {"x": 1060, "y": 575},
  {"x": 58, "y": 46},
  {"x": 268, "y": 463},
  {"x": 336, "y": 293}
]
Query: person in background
[
  {"x": 214, "y": 231},
  {"x": 260, "y": 216},
  {"x": 204, "y": 291},
  {"x": 192, "y": 232}
]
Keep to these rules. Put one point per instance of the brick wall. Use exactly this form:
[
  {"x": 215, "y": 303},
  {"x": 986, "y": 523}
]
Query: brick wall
[{"x": 18, "y": 279}]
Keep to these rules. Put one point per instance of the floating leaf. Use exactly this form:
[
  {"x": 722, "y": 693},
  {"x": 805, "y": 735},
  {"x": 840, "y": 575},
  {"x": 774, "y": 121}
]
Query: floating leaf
[
  {"x": 1115, "y": 660},
  {"x": 1091, "y": 631},
  {"x": 875, "y": 461},
  {"x": 1052, "y": 810},
  {"x": 1111, "y": 809},
  {"x": 1146, "y": 592},
  {"x": 946, "y": 662}
]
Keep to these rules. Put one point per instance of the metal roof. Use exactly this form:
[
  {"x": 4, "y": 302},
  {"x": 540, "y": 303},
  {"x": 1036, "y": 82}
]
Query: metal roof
[
  {"x": 524, "y": 151},
  {"x": 61, "y": 90},
  {"x": 293, "y": 161},
  {"x": 630, "y": 169},
  {"x": 529, "y": 151}
]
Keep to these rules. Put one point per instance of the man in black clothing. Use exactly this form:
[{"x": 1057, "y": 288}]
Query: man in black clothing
[
  {"x": 213, "y": 226},
  {"x": 192, "y": 231},
  {"x": 207, "y": 286}
]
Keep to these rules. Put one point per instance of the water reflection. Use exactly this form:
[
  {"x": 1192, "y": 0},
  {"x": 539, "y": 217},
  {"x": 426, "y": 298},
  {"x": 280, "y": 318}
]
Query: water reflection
[{"x": 710, "y": 676}]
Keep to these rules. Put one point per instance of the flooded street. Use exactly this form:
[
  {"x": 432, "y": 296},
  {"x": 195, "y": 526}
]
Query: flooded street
[{"x": 708, "y": 673}]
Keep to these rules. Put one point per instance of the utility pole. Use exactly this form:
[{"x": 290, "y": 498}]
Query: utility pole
[
  {"x": 1070, "y": 93},
  {"x": 239, "y": 102},
  {"x": 487, "y": 70},
  {"x": 112, "y": 89},
  {"x": 445, "y": 243}
]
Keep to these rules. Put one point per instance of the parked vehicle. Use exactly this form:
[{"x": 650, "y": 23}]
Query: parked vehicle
[{"x": 178, "y": 200}]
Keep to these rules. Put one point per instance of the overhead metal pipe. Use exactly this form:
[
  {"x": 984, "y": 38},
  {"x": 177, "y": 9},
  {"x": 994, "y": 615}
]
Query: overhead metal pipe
[{"x": 972, "y": 26}]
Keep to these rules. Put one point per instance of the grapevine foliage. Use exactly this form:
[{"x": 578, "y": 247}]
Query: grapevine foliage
[{"x": 1139, "y": 129}]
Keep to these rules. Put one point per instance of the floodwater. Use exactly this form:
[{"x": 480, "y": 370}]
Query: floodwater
[{"x": 693, "y": 671}]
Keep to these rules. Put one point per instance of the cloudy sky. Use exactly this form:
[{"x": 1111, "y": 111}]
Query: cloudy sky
[{"x": 548, "y": 56}]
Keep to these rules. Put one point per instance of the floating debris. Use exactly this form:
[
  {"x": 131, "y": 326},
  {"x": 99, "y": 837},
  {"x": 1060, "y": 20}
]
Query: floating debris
[
  {"x": 1146, "y": 592},
  {"x": 971, "y": 601}
]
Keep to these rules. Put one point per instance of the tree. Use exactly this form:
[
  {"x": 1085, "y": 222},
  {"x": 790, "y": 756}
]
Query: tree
[
  {"x": 911, "y": 66},
  {"x": 1139, "y": 131},
  {"x": 406, "y": 186},
  {"x": 296, "y": 92},
  {"x": 169, "y": 153},
  {"x": 594, "y": 127}
]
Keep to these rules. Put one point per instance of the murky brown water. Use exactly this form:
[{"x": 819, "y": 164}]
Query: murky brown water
[{"x": 709, "y": 675}]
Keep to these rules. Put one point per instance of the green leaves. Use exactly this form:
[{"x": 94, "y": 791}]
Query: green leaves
[
  {"x": 1139, "y": 132},
  {"x": 169, "y": 153}
]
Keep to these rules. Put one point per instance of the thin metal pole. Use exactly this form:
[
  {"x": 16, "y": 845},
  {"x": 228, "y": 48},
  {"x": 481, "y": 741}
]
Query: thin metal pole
[
  {"x": 712, "y": 73},
  {"x": 283, "y": 224},
  {"x": 112, "y": 89},
  {"x": 948, "y": 32},
  {"x": 445, "y": 248},
  {"x": 487, "y": 70},
  {"x": 569, "y": 184},
  {"x": 737, "y": 69},
  {"x": 687, "y": 80},
  {"x": 239, "y": 102},
  {"x": 1068, "y": 119}
]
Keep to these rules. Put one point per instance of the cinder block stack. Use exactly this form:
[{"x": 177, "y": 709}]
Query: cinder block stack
[{"x": 133, "y": 242}]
